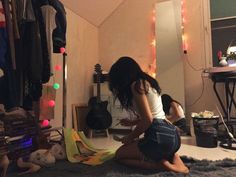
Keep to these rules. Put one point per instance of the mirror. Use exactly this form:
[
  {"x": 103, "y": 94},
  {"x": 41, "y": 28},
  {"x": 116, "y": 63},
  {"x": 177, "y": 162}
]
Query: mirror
[{"x": 169, "y": 51}]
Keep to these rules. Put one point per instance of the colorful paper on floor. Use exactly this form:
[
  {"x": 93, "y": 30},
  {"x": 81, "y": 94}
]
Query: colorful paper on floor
[
  {"x": 79, "y": 149},
  {"x": 71, "y": 147},
  {"x": 87, "y": 142}
]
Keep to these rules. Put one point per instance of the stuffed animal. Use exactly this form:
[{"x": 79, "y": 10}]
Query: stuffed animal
[
  {"x": 58, "y": 151},
  {"x": 48, "y": 157}
]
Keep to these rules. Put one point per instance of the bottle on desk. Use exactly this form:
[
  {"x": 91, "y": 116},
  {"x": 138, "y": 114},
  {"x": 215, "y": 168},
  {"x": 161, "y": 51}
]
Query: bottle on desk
[{"x": 223, "y": 61}]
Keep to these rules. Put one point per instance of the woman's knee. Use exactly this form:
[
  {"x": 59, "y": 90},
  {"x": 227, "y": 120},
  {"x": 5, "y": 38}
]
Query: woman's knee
[
  {"x": 129, "y": 151},
  {"x": 118, "y": 154},
  {"x": 4, "y": 161}
]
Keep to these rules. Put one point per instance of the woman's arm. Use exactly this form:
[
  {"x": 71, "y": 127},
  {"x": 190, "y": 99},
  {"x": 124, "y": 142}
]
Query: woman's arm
[
  {"x": 175, "y": 114},
  {"x": 128, "y": 122},
  {"x": 142, "y": 105}
]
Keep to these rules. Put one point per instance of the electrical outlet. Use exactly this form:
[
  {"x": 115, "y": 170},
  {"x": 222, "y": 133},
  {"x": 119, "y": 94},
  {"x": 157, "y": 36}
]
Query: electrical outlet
[{"x": 205, "y": 74}]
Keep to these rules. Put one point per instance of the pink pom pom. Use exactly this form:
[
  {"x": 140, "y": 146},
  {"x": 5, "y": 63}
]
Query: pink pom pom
[
  {"x": 45, "y": 123},
  {"x": 58, "y": 67},
  {"x": 51, "y": 103},
  {"x": 62, "y": 50}
]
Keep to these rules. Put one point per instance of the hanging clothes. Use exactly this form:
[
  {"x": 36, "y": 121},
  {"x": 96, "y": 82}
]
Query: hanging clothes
[
  {"x": 9, "y": 27},
  {"x": 25, "y": 12},
  {"x": 49, "y": 14},
  {"x": 3, "y": 36},
  {"x": 30, "y": 30},
  {"x": 14, "y": 20},
  {"x": 8, "y": 93},
  {"x": 29, "y": 55},
  {"x": 44, "y": 46},
  {"x": 59, "y": 34},
  {"x": 3, "y": 50},
  {"x": 2, "y": 16}
]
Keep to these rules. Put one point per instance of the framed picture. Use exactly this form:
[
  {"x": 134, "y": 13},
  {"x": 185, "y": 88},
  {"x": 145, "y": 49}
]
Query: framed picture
[{"x": 79, "y": 113}]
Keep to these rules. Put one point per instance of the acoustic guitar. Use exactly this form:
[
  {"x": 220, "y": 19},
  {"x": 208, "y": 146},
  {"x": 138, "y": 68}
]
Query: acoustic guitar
[{"x": 98, "y": 117}]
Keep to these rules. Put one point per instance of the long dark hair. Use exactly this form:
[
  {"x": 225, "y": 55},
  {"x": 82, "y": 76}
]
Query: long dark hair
[
  {"x": 123, "y": 73},
  {"x": 166, "y": 101}
]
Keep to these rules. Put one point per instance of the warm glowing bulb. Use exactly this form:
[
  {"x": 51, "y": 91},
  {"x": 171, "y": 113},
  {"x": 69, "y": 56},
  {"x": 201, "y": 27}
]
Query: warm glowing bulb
[
  {"x": 153, "y": 18},
  {"x": 51, "y": 103},
  {"x": 153, "y": 43},
  {"x": 185, "y": 46},
  {"x": 153, "y": 74},
  {"x": 56, "y": 86}
]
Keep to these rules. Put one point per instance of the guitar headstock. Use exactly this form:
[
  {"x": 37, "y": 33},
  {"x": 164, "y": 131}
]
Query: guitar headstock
[{"x": 98, "y": 69}]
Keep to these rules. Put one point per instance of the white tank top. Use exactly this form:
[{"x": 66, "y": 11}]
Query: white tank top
[
  {"x": 155, "y": 104},
  {"x": 181, "y": 111}
]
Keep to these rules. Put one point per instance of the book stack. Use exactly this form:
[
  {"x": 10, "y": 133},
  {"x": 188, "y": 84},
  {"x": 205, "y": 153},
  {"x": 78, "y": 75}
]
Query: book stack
[
  {"x": 20, "y": 130},
  {"x": 3, "y": 145}
]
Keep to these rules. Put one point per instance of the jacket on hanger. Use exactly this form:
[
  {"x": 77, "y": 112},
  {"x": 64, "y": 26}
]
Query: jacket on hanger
[{"x": 59, "y": 34}]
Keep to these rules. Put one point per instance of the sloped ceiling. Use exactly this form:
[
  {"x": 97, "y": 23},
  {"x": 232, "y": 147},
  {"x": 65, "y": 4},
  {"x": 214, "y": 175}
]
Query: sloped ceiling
[{"x": 94, "y": 11}]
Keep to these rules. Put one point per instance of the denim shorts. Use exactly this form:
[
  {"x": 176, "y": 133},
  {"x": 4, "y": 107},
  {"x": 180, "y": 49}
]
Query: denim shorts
[
  {"x": 161, "y": 141},
  {"x": 181, "y": 124}
]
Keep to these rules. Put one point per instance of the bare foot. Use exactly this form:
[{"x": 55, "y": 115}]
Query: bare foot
[
  {"x": 177, "y": 166},
  {"x": 180, "y": 164},
  {"x": 4, "y": 162},
  {"x": 33, "y": 168}
]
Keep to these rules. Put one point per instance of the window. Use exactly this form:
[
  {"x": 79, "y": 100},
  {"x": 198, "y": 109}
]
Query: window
[{"x": 223, "y": 27}]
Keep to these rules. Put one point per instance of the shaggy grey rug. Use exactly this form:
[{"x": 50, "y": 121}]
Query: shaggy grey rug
[{"x": 198, "y": 168}]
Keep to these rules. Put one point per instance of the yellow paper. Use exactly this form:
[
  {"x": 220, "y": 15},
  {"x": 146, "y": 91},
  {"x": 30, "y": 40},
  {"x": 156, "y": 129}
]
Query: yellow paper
[{"x": 77, "y": 144}]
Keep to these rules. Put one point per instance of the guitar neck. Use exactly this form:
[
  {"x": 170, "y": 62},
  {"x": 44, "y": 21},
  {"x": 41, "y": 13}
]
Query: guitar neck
[
  {"x": 99, "y": 73},
  {"x": 98, "y": 91}
]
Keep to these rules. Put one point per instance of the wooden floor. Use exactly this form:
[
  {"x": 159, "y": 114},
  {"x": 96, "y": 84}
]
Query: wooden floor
[{"x": 188, "y": 148}]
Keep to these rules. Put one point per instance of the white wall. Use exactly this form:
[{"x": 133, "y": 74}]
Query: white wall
[
  {"x": 197, "y": 58},
  {"x": 169, "y": 51},
  {"x": 82, "y": 50},
  {"x": 128, "y": 32}
]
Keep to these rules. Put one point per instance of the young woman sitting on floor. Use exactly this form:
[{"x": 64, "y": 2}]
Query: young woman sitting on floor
[
  {"x": 140, "y": 93},
  {"x": 174, "y": 113}
]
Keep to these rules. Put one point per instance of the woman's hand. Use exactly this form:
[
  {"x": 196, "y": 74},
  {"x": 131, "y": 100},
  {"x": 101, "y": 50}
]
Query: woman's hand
[
  {"x": 126, "y": 122},
  {"x": 126, "y": 139}
]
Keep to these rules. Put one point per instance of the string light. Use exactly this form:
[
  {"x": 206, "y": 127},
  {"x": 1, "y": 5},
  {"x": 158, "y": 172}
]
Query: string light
[
  {"x": 45, "y": 123},
  {"x": 62, "y": 50},
  {"x": 153, "y": 43},
  {"x": 152, "y": 66},
  {"x": 184, "y": 38},
  {"x": 58, "y": 67},
  {"x": 56, "y": 86},
  {"x": 51, "y": 103}
]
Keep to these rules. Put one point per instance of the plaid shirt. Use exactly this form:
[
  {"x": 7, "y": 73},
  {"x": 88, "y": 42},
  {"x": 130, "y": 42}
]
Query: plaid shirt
[{"x": 2, "y": 16}]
